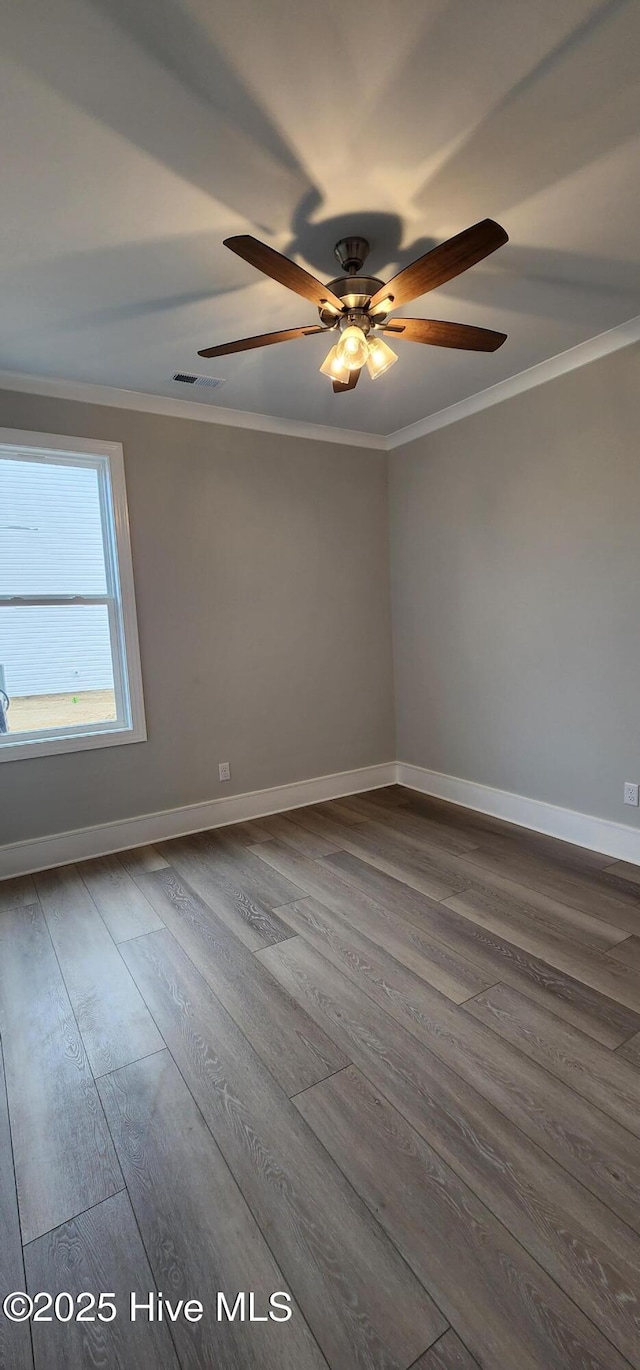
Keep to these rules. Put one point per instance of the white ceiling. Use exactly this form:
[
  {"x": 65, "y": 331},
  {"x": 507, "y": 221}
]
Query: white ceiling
[{"x": 137, "y": 134}]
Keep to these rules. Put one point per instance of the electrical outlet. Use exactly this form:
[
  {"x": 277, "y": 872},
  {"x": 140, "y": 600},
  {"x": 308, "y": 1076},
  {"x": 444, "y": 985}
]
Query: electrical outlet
[
  {"x": 630, "y": 793},
  {"x": 224, "y": 773}
]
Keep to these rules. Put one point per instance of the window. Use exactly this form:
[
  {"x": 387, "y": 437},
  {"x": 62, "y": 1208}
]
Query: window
[{"x": 69, "y": 658}]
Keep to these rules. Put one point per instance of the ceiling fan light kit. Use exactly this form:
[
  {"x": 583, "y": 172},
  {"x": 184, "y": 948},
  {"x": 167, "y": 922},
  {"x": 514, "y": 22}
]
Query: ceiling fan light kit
[{"x": 359, "y": 306}]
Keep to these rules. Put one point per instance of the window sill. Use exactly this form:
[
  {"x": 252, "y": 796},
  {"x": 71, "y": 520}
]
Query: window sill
[{"x": 25, "y": 749}]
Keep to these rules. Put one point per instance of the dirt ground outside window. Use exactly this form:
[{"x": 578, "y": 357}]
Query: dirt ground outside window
[{"x": 29, "y": 712}]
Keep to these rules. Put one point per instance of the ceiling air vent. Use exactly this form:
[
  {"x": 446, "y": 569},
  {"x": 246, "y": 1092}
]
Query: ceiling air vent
[{"x": 187, "y": 378}]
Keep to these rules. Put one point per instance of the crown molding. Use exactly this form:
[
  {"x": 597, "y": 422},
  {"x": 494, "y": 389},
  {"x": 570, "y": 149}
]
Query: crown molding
[
  {"x": 88, "y": 393},
  {"x": 580, "y": 355}
]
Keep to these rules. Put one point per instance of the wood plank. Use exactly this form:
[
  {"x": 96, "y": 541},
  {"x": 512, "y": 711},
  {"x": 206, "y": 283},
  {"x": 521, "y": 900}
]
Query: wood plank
[
  {"x": 630, "y": 1051},
  {"x": 625, "y": 870},
  {"x": 64, "y": 1158},
  {"x": 386, "y": 795},
  {"x": 627, "y": 952},
  {"x": 141, "y": 860},
  {"x": 197, "y": 1229},
  {"x": 424, "y": 867},
  {"x": 508, "y": 1311},
  {"x": 340, "y": 810},
  {"x": 529, "y": 907},
  {"x": 118, "y": 898},
  {"x": 533, "y": 909},
  {"x": 18, "y": 892},
  {"x": 456, "y": 815},
  {"x": 472, "y": 822},
  {"x": 413, "y": 833},
  {"x": 443, "y": 967},
  {"x": 430, "y": 870},
  {"x": 527, "y": 904},
  {"x": 494, "y": 909},
  {"x": 609, "y": 897},
  {"x": 447, "y": 1354},
  {"x": 590, "y": 1253},
  {"x": 242, "y": 863},
  {"x": 498, "y": 958},
  {"x": 495, "y": 833},
  {"x": 248, "y": 832},
  {"x": 289, "y": 1043},
  {"x": 359, "y": 1298},
  {"x": 224, "y": 888},
  {"x": 15, "y": 1341},
  {"x": 416, "y": 835},
  {"x": 98, "y": 1251},
  {"x": 418, "y": 827},
  {"x": 588, "y": 1068},
  {"x": 592, "y": 1147},
  {"x": 343, "y": 945},
  {"x": 116, "y": 1026},
  {"x": 560, "y": 855},
  {"x": 286, "y": 830}
]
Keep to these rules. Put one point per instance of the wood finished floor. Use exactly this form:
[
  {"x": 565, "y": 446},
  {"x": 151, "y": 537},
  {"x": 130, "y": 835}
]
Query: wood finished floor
[{"x": 382, "y": 1052}]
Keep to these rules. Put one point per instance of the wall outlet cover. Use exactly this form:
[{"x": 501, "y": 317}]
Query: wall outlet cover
[
  {"x": 224, "y": 771},
  {"x": 630, "y": 793}
]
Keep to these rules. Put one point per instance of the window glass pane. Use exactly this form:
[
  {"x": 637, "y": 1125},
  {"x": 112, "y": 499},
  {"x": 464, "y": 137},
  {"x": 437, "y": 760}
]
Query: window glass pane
[
  {"x": 57, "y": 667},
  {"x": 50, "y": 529}
]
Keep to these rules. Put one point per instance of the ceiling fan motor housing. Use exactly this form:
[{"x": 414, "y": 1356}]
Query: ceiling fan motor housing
[{"x": 354, "y": 291}]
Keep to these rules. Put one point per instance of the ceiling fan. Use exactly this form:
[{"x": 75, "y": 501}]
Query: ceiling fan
[{"x": 360, "y": 306}]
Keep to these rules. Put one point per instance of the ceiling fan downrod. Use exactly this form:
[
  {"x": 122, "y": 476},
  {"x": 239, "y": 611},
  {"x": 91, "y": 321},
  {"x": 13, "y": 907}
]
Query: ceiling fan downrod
[{"x": 351, "y": 254}]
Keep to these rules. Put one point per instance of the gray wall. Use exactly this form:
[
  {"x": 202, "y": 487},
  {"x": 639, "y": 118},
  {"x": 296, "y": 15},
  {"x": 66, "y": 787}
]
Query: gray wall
[
  {"x": 515, "y": 538},
  {"x": 262, "y": 582},
  {"x": 262, "y": 579}
]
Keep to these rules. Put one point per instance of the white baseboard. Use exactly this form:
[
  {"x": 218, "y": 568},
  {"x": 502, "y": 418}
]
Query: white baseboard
[
  {"x": 618, "y": 840},
  {"x": 21, "y": 858}
]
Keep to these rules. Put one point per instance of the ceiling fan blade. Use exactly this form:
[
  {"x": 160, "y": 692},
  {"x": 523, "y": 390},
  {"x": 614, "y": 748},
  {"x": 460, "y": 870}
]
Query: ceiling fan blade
[
  {"x": 281, "y": 269},
  {"x": 354, "y": 377},
  {"x": 442, "y": 263},
  {"x": 261, "y": 340},
  {"x": 441, "y": 334}
]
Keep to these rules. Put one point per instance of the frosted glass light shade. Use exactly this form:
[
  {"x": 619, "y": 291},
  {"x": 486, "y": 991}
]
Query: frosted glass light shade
[
  {"x": 353, "y": 348},
  {"x": 380, "y": 357},
  {"x": 333, "y": 367}
]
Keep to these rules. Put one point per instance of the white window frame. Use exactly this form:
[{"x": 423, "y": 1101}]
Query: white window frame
[{"x": 129, "y": 726}]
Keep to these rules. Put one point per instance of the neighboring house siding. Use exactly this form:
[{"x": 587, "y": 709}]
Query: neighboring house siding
[
  {"x": 51, "y": 543},
  {"x": 41, "y": 657}
]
